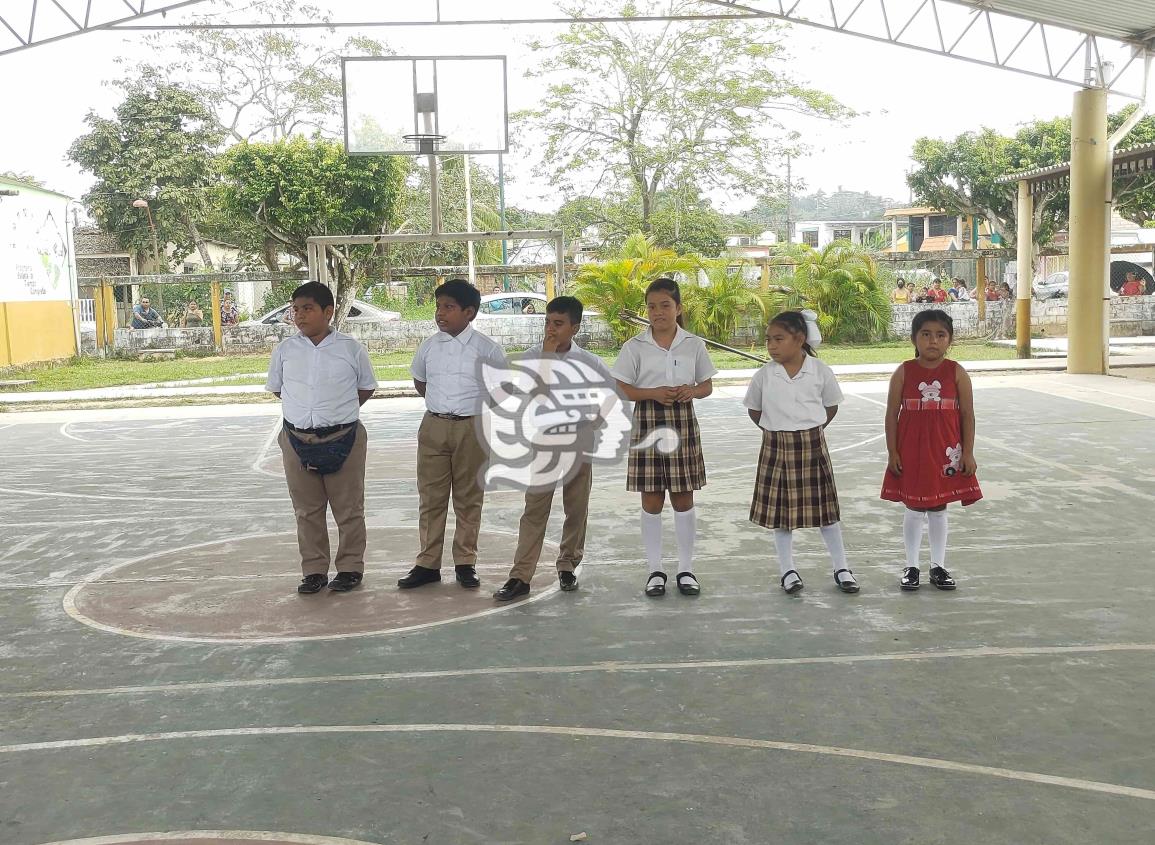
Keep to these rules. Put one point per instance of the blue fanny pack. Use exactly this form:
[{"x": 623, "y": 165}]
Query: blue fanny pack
[{"x": 328, "y": 455}]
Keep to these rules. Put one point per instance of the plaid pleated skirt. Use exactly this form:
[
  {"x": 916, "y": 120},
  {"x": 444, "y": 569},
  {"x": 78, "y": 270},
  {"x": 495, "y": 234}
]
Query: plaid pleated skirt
[
  {"x": 795, "y": 483},
  {"x": 651, "y": 470}
]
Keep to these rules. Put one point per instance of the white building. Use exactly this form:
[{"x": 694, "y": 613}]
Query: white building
[{"x": 821, "y": 233}]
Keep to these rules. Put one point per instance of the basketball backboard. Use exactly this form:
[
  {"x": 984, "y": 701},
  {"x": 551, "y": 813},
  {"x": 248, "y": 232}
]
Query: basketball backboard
[{"x": 407, "y": 105}]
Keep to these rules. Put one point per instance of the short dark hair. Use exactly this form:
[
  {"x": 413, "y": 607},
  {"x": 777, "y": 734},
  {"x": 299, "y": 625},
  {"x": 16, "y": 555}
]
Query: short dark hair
[
  {"x": 461, "y": 292},
  {"x": 931, "y": 315},
  {"x": 571, "y": 306},
  {"x": 315, "y": 291}
]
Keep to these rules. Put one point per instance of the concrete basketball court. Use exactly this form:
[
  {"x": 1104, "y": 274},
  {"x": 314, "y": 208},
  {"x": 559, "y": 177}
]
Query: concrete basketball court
[{"x": 163, "y": 683}]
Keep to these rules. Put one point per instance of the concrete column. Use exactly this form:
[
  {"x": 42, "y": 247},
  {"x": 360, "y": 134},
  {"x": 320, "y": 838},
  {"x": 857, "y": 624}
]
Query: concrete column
[
  {"x": 981, "y": 288},
  {"x": 1090, "y": 216},
  {"x": 1025, "y": 260},
  {"x": 218, "y": 329}
]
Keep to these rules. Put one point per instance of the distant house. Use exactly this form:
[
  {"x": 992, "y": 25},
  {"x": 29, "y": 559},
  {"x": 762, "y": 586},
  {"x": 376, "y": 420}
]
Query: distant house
[
  {"x": 821, "y": 233},
  {"x": 750, "y": 247},
  {"x": 924, "y": 229}
]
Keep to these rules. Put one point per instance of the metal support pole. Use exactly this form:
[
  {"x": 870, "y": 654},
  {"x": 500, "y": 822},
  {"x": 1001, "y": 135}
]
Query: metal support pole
[
  {"x": 501, "y": 215},
  {"x": 98, "y": 307},
  {"x": 469, "y": 223},
  {"x": 559, "y": 253},
  {"x": 109, "y": 294},
  {"x": 218, "y": 330},
  {"x": 1026, "y": 270},
  {"x": 981, "y": 288},
  {"x": 1090, "y": 185},
  {"x": 434, "y": 199}
]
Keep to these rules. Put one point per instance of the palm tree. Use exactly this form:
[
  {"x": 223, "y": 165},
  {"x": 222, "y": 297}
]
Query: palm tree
[
  {"x": 841, "y": 282},
  {"x": 618, "y": 286},
  {"x": 714, "y": 310}
]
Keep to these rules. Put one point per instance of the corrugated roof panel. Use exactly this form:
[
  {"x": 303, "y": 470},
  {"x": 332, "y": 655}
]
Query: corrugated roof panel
[{"x": 1125, "y": 20}]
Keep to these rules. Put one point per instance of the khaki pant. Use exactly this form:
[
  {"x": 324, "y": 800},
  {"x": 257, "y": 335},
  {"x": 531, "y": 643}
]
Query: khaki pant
[
  {"x": 575, "y": 497},
  {"x": 312, "y": 493},
  {"x": 449, "y": 462}
]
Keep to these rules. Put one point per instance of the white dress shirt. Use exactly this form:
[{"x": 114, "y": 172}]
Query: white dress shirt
[
  {"x": 318, "y": 382},
  {"x": 576, "y": 353},
  {"x": 642, "y": 363},
  {"x": 450, "y": 368},
  {"x": 793, "y": 404}
]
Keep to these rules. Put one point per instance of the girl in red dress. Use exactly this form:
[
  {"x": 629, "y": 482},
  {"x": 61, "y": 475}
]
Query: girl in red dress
[{"x": 930, "y": 437}]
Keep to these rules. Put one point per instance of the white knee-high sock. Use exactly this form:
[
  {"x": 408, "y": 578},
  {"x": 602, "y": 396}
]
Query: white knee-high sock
[
  {"x": 912, "y": 522},
  {"x": 832, "y": 537},
  {"x": 937, "y": 530},
  {"x": 784, "y": 545},
  {"x": 686, "y": 530},
  {"x": 652, "y": 539}
]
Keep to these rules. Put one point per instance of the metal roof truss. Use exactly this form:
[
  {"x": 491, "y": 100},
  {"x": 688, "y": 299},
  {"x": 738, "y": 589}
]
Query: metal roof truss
[{"x": 954, "y": 28}]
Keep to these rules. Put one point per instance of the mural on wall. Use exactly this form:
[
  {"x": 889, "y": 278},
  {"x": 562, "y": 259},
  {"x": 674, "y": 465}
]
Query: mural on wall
[{"x": 35, "y": 263}]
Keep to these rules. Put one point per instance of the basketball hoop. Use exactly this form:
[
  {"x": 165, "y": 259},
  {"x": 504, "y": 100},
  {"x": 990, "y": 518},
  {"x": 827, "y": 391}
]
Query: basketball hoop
[{"x": 426, "y": 143}]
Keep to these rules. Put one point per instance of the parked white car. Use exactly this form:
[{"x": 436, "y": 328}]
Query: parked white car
[
  {"x": 517, "y": 303},
  {"x": 359, "y": 312}
]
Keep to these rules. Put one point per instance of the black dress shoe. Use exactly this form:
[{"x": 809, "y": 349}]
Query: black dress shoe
[
  {"x": 345, "y": 581},
  {"x": 514, "y": 588},
  {"x": 940, "y": 578},
  {"x": 419, "y": 576},
  {"x": 467, "y": 576},
  {"x": 312, "y": 584},
  {"x": 568, "y": 581}
]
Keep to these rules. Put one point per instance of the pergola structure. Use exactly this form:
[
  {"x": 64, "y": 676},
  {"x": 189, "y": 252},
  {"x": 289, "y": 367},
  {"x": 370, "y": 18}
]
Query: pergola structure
[{"x": 1101, "y": 47}]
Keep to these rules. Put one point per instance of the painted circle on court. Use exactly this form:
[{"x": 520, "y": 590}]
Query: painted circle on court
[{"x": 244, "y": 590}]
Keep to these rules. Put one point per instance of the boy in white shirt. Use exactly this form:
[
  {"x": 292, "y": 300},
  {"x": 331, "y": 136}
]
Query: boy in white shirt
[
  {"x": 563, "y": 317},
  {"x": 450, "y": 459},
  {"x": 322, "y": 378}
]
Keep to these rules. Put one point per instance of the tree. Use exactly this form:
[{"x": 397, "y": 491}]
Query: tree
[
  {"x": 641, "y": 110},
  {"x": 685, "y": 223},
  {"x": 263, "y": 84},
  {"x": 296, "y": 189},
  {"x": 159, "y": 147},
  {"x": 842, "y": 284},
  {"x": 958, "y": 176},
  {"x": 617, "y": 287}
]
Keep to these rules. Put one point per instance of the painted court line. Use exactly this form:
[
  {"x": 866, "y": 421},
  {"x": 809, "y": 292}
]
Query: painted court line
[
  {"x": 212, "y": 835},
  {"x": 611, "y": 667},
  {"x": 70, "y": 607},
  {"x": 602, "y": 733}
]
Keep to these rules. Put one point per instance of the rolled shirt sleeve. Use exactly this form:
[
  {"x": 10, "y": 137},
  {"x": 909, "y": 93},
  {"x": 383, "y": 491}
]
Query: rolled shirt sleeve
[
  {"x": 753, "y": 399},
  {"x": 704, "y": 368},
  {"x": 626, "y": 366},
  {"x": 276, "y": 379},
  {"x": 417, "y": 368},
  {"x": 366, "y": 378},
  {"x": 831, "y": 392}
]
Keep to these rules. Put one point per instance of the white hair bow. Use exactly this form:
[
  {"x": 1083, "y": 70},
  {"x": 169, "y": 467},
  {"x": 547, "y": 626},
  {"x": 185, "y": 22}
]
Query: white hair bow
[{"x": 813, "y": 334}]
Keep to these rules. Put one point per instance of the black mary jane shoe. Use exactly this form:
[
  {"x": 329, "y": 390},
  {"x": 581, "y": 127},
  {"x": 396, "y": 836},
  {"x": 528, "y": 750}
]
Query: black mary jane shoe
[
  {"x": 850, "y": 586},
  {"x": 346, "y": 581},
  {"x": 940, "y": 578},
  {"x": 688, "y": 589},
  {"x": 312, "y": 584},
  {"x": 793, "y": 588},
  {"x": 909, "y": 579},
  {"x": 514, "y": 588},
  {"x": 656, "y": 588},
  {"x": 467, "y": 576},
  {"x": 419, "y": 576}
]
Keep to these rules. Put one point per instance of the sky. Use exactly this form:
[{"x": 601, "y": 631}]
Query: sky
[{"x": 901, "y": 94}]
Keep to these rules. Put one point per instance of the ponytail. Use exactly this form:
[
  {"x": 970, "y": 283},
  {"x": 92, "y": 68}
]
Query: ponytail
[{"x": 803, "y": 323}]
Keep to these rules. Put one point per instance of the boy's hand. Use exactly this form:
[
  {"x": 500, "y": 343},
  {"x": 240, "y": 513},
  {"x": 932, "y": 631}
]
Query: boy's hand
[
  {"x": 969, "y": 465},
  {"x": 895, "y": 463}
]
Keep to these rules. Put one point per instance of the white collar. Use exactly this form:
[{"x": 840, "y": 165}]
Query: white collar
[
  {"x": 463, "y": 338},
  {"x": 809, "y": 365},
  {"x": 680, "y": 334}
]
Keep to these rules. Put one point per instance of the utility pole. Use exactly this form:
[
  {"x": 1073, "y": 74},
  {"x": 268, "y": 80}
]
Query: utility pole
[
  {"x": 789, "y": 198},
  {"x": 469, "y": 222}
]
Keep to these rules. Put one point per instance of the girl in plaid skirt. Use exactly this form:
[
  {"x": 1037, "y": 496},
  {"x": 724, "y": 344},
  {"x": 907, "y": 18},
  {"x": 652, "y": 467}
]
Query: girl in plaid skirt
[
  {"x": 663, "y": 370},
  {"x": 792, "y": 399}
]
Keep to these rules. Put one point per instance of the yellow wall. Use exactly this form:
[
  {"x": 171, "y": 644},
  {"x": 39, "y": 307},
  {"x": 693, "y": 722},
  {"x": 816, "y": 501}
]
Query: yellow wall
[{"x": 36, "y": 331}]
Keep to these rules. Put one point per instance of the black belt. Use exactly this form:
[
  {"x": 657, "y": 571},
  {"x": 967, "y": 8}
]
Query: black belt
[
  {"x": 450, "y": 417},
  {"x": 322, "y": 431}
]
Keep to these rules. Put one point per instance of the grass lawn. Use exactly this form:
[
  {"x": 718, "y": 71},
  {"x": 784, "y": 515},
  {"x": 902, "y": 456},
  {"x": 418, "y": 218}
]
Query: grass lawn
[{"x": 392, "y": 366}]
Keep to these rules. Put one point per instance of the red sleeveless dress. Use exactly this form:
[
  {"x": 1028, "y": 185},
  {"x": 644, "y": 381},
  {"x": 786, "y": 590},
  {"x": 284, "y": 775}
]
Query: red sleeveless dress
[{"x": 930, "y": 441}]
